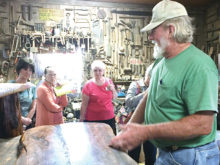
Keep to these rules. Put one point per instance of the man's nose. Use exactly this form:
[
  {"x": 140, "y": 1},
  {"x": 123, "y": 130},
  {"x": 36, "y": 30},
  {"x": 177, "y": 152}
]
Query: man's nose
[{"x": 150, "y": 37}]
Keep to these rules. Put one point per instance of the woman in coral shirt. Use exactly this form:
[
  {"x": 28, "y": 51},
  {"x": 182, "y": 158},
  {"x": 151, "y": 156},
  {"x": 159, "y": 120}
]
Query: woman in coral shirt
[
  {"x": 49, "y": 106},
  {"x": 97, "y": 95}
]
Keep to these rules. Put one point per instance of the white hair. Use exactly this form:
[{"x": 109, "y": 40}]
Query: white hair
[
  {"x": 159, "y": 50},
  {"x": 183, "y": 28},
  {"x": 98, "y": 64},
  {"x": 50, "y": 68}
]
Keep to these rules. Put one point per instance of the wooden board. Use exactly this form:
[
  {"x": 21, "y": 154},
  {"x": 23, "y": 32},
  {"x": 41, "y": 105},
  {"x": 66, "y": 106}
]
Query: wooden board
[{"x": 70, "y": 144}]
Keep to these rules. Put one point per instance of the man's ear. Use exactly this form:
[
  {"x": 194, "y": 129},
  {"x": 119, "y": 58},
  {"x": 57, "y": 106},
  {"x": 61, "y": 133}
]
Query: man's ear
[{"x": 171, "y": 29}]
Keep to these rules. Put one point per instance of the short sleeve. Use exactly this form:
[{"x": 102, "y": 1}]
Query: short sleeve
[
  {"x": 110, "y": 81},
  {"x": 201, "y": 90},
  {"x": 86, "y": 89},
  {"x": 34, "y": 93}
]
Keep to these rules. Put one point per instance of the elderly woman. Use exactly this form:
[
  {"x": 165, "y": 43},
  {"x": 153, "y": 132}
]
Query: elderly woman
[
  {"x": 97, "y": 95},
  {"x": 27, "y": 98},
  {"x": 49, "y": 106}
]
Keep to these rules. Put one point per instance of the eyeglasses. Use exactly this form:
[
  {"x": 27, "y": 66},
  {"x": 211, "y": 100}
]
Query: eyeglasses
[
  {"x": 49, "y": 74},
  {"x": 151, "y": 32},
  {"x": 97, "y": 70}
]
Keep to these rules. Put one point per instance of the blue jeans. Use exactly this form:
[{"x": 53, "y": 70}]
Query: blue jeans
[{"x": 203, "y": 155}]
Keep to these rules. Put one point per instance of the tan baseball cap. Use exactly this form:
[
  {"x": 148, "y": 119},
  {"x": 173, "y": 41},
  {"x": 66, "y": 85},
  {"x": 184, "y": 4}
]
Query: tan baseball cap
[{"x": 163, "y": 11}]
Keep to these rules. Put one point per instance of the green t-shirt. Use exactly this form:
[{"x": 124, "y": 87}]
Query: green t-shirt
[{"x": 182, "y": 86}]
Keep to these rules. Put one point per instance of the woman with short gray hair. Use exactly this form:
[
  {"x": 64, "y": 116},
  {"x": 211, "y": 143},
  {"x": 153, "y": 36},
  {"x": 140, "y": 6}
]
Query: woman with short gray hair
[{"x": 97, "y": 95}]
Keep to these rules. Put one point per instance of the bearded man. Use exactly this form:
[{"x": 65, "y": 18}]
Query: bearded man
[{"x": 180, "y": 107}]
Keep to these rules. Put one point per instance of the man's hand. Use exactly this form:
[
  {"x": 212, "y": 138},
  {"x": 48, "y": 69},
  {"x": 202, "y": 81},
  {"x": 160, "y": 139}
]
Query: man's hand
[{"x": 131, "y": 136}]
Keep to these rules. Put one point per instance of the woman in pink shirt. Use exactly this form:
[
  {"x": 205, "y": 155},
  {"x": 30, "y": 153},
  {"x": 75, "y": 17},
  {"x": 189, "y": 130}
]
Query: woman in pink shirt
[
  {"x": 97, "y": 95},
  {"x": 49, "y": 106}
]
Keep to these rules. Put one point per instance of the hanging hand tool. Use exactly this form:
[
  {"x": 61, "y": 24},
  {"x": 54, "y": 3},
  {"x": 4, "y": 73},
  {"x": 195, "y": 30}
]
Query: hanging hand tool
[
  {"x": 104, "y": 26},
  {"x": 26, "y": 12},
  {"x": 14, "y": 45},
  {"x": 33, "y": 49},
  {"x": 5, "y": 67},
  {"x": 27, "y": 44}
]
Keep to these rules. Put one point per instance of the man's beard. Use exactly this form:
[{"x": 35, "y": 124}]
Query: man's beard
[{"x": 160, "y": 50}]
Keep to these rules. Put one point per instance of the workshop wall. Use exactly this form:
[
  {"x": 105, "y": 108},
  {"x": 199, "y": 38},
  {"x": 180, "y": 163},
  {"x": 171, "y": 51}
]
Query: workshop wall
[
  {"x": 107, "y": 32},
  {"x": 212, "y": 39}
]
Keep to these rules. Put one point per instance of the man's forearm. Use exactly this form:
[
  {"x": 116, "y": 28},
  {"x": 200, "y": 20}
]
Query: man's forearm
[
  {"x": 186, "y": 128},
  {"x": 138, "y": 116}
]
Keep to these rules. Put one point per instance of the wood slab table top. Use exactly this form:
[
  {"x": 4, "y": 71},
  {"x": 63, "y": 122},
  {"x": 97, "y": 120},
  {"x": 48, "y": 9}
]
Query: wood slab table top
[
  {"x": 70, "y": 144},
  {"x": 8, "y": 150}
]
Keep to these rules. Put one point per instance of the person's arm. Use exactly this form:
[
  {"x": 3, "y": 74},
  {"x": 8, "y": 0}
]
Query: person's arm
[
  {"x": 131, "y": 93},
  {"x": 132, "y": 99},
  {"x": 139, "y": 112},
  {"x": 111, "y": 87},
  {"x": 33, "y": 109},
  {"x": 47, "y": 100},
  {"x": 84, "y": 104},
  {"x": 197, "y": 124},
  {"x": 132, "y": 102},
  {"x": 186, "y": 128},
  {"x": 63, "y": 101},
  {"x": 114, "y": 92},
  {"x": 26, "y": 121}
]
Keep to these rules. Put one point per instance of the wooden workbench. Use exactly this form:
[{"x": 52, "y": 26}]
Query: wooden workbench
[{"x": 65, "y": 144}]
